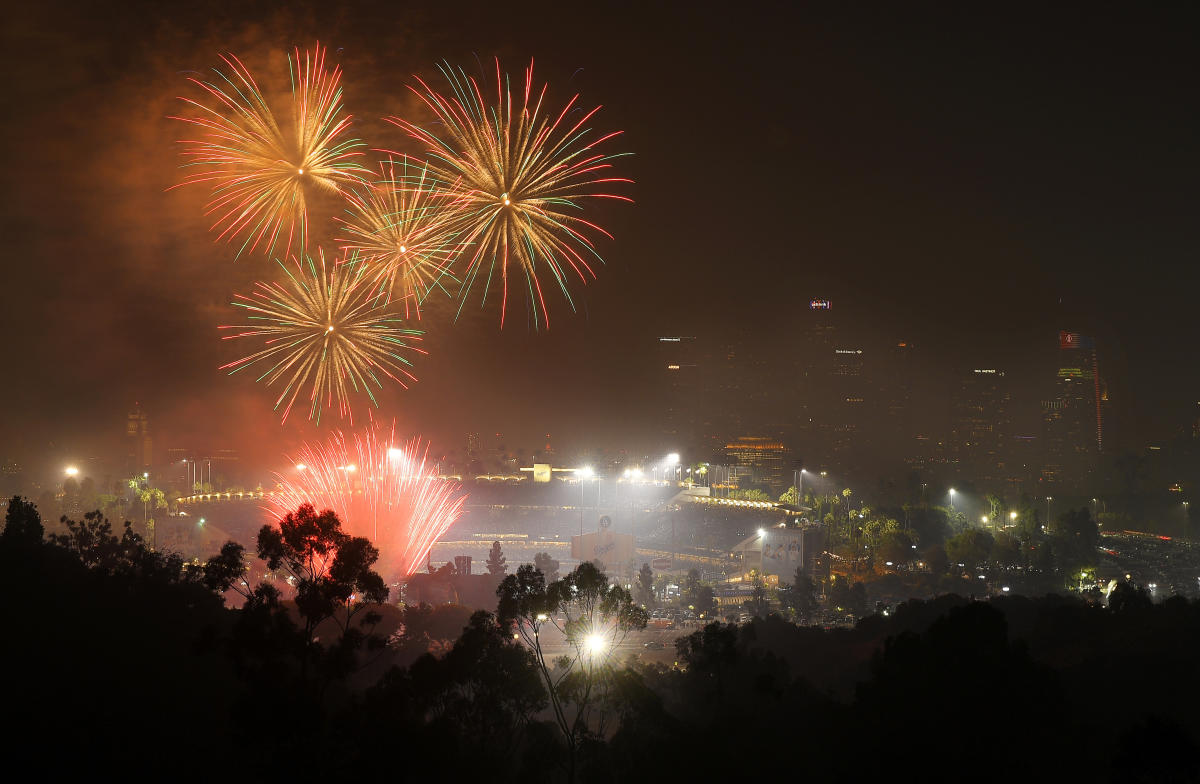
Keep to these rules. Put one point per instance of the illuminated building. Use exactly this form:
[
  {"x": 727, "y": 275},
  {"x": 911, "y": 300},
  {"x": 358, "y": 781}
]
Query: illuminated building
[
  {"x": 1073, "y": 421},
  {"x": 139, "y": 447},
  {"x": 10, "y": 479},
  {"x": 981, "y": 426},
  {"x": 679, "y": 365},
  {"x": 760, "y": 460},
  {"x": 848, "y": 408},
  {"x": 1081, "y": 387}
]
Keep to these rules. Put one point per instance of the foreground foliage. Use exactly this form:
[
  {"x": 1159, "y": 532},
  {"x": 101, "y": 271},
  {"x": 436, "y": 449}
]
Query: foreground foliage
[{"x": 120, "y": 659}]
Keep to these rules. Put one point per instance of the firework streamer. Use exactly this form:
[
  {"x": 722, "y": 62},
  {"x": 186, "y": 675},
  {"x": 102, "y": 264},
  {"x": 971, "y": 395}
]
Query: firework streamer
[
  {"x": 519, "y": 174},
  {"x": 386, "y": 491},
  {"x": 325, "y": 330},
  {"x": 258, "y": 174}
]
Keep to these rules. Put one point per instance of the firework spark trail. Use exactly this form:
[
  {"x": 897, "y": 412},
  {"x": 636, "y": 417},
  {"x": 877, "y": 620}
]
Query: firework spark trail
[
  {"x": 388, "y": 493},
  {"x": 327, "y": 329},
  {"x": 401, "y": 226},
  {"x": 257, "y": 174},
  {"x": 520, "y": 175}
]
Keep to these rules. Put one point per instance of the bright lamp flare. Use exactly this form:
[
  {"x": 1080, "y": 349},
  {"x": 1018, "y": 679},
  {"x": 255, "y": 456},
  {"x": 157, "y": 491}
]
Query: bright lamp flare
[
  {"x": 519, "y": 175},
  {"x": 401, "y": 505},
  {"x": 327, "y": 331},
  {"x": 596, "y": 644},
  {"x": 401, "y": 225},
  {"x": 260, "y": 174}
]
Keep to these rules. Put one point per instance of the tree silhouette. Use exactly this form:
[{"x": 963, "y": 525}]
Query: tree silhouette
[
  {"x": 643, "y": 588},
  {"x": 332, "y": 576},
  {"x": 547, "y": 565},
  {"x": 496, "y": 560},
  {"x": 595, "y": 618},
  {"x": 22, "y": 524}
]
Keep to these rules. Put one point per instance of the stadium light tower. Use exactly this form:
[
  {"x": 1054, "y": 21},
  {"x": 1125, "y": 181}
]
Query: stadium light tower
[{"x": 583, "y": 473}]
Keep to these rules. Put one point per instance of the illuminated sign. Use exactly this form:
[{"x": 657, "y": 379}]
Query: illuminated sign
[
  {"x": 668, "y": 340},
  {"x": 672, "y": 367},
  {"x": 1074, "y": 340},
  {"x": 989, "y": 371},
  {"x": 847, "y": 351},
  {"x": 821, "y": 304},
  {"x": 1070, "y": 373},
  {"x": 541, "y": 472}
]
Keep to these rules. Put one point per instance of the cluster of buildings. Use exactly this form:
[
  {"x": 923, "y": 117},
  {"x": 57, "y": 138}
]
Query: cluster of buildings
[{"x": 849, "y": 406}]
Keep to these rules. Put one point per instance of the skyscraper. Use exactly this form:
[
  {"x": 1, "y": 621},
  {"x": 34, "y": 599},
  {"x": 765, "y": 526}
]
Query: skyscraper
[
  {"x": 982, "y": 426},
  {"x": 1073, "y": 421},
  {"x": 139, "y": 448},
  {"x": 1080, "y": 383},
  {"x": 848, "y": 409},
  {"x": 679, "y": 366}
]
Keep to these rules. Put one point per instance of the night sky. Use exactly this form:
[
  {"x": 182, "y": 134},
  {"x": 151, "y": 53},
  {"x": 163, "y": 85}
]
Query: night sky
[{"x": 971, "y": 179}]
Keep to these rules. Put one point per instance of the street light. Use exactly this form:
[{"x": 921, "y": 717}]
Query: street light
[
  {"x": 71, "y": 471},
  {"x": 596, "y": 645},
  {"x": 951, "y": 500},
  {"x": 1012, "y": 516}
]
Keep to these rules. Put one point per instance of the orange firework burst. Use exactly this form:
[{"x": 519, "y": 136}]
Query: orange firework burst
[
  {"x": 327, "y": 330},
  {"x": 258, "y": 173},
  {"x": 382, "y": 490},
  {"x": 520, "y": 175},
  {"x": 401, "y": 225}
]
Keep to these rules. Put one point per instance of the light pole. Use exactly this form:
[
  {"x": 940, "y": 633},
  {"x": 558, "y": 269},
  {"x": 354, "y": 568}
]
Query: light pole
[
  {"x": 798, "y": 480},
  {"x": 583, "y": 473},
  {"x": 1049, "y": 498},
  {"x": 672, "y": 463},
  {"x": 951, "y": 500}
]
